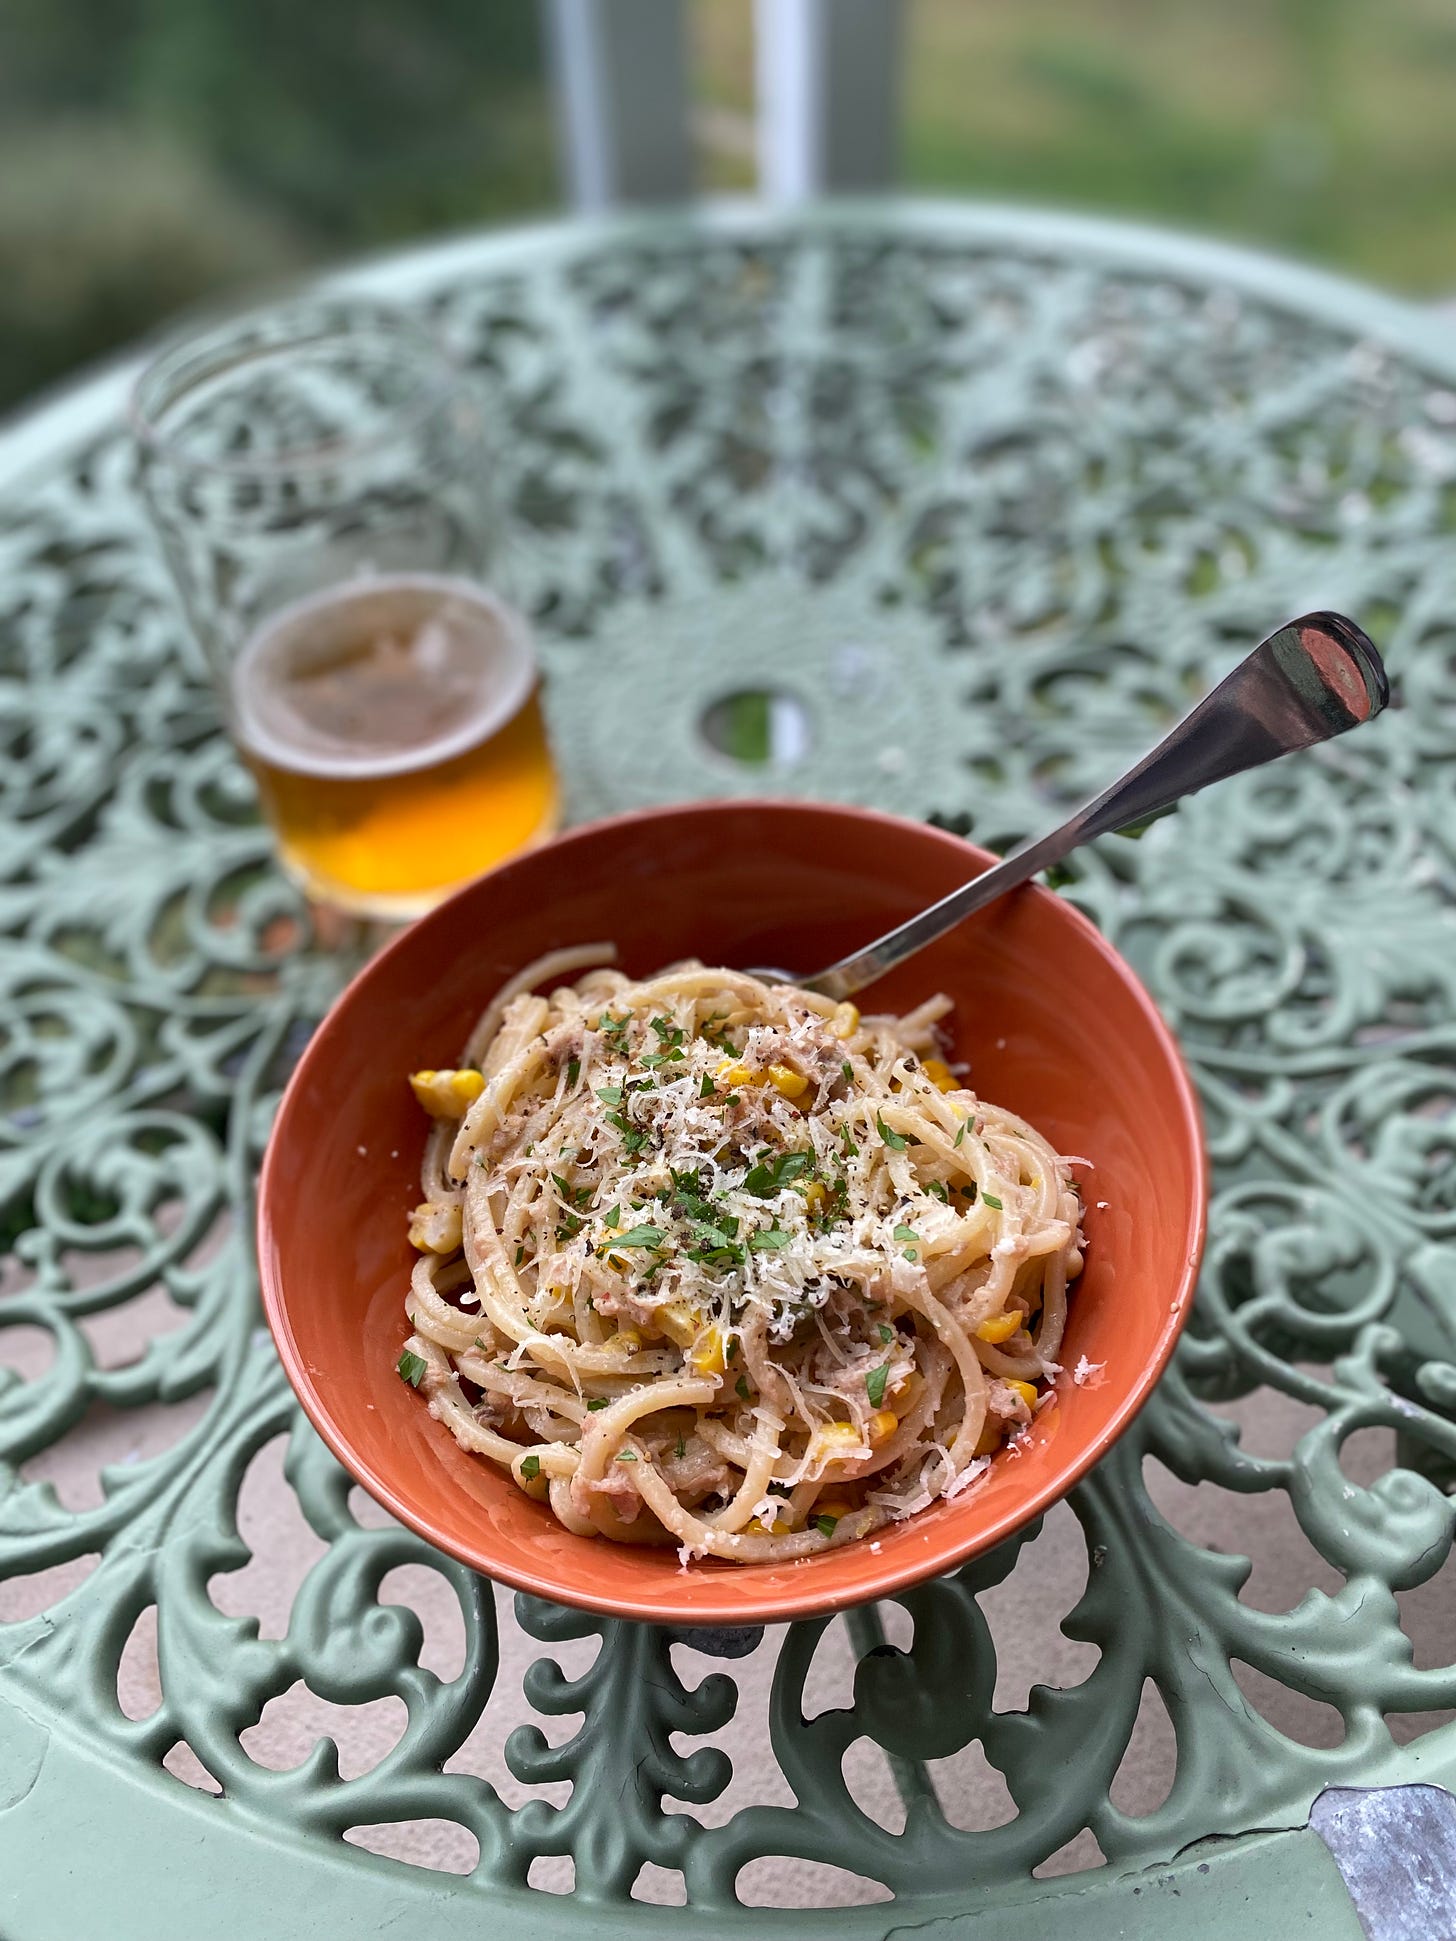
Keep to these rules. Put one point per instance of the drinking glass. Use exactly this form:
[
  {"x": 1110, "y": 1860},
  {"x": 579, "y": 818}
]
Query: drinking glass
[{"x": 319, "y": 476}]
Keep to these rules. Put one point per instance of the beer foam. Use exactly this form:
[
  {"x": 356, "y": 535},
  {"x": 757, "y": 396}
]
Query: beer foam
[{"x": 380, "y": 676}]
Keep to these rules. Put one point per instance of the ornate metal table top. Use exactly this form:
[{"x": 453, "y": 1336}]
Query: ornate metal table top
[{"x": 937, "y": 475}]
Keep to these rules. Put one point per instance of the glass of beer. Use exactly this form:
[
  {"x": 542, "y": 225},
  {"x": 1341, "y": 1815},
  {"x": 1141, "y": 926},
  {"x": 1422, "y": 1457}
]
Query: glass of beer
[{"x": 320, "y": 478}]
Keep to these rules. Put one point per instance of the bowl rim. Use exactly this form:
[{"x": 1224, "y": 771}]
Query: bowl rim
[{"x": 737, "y": 1603}]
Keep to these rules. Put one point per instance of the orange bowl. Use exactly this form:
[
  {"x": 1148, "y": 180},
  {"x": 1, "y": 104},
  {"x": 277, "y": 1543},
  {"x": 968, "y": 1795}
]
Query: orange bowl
[{"x": 1054, "y": 1024}]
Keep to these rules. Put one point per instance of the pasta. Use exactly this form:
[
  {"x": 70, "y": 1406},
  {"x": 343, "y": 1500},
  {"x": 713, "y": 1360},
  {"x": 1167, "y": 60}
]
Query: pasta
[{"x": 719, "y": 1263}]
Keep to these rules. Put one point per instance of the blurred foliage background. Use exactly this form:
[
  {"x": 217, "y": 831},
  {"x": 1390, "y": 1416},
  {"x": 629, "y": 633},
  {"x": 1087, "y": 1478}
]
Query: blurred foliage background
[{"x": 153, "y": 152}]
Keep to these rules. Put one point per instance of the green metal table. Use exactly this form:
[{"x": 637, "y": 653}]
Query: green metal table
[{"x": 934, "y": 476}]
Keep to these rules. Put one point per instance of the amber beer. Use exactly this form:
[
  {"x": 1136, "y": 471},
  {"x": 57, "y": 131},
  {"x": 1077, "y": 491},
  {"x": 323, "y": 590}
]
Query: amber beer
[{"x": 394, "y": 727}]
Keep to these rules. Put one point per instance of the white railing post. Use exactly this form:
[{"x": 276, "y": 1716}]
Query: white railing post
[
  {"x": 621, "y": 78},
  {"x": 828, "y": 74}
]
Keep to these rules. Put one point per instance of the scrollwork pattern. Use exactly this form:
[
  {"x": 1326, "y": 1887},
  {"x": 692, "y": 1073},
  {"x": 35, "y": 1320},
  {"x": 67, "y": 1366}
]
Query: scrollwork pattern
[{"x": 1067, "y": 492}]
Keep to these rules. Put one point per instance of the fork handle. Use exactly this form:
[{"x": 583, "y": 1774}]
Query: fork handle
[{"x": 1315, "y": 678}]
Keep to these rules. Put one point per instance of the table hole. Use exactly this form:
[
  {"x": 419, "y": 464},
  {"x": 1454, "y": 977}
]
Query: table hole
[
  {"x": 183, "y": 1763},
  {"x": 283, "y": 1546},
  {"x": 443, "y": 1845},
  {"x": 121, "y": 1335},
  {"x": 26, "y": 1351},
  {"x": 1406, "y": 1727},
  {"x": 973, "y": 1793},
  {"x": 759, "y": 727},
  {"x": 1075, "y": 1856},
  {"x": 1270, "y": 1423},
  {"x": 1308, "y": 1721},
  {"x": 777, "y": 1880},
  {"x": 114, "y": 1439},
  {"x": 660, "y": 1886},
  {"x": 431, "y": 1596},
  {"x": 138, "y": 1673},
  {"x": 870, "y": 1782},
  {"x": 1025, "y": 1611},
  {"x": 291, "y": 1725},
  {"x": 552, "y": 1873},
  {"x": 1428, "y": 1618},
  {"x": 1367, "y": 1454},
  {"x": 1144, "y": 1777},
  {"x": 28, "y": 1594},
  {"x": 829, "y": 1681}
]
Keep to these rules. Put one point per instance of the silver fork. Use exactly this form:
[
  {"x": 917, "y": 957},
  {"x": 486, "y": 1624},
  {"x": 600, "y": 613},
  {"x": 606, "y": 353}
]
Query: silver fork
[{"x": 1317, "y": 677}]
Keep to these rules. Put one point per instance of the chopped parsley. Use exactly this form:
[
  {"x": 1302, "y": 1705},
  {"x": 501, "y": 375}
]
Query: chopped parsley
[
  {"x": 682, "y": 1449},
  {"x": 875, "y": 1384},
  {"x": 768, "y": 1178},
  {"x": 848, "y": 1071},
  {"x": 610, "y": 1094},
  {"x": 741, "y": 1388},
  {"x": 907, "y": 1233},
  {"x": 769, "y": 1240},
  {"x": 626, "y": 1455},
  {"x": 990, "y": 1199},
  {"x": 520, "y": 1255},
  {"x": 716, "y": 1252},
  {"x": 597, "y": 1402},
  {"x": 891, "y": 1139},
  {"x": 887, "y": 1334},
  {"x": 851, "y": 1150},
  {"x": 826, "y": 1525},
  {"x": 936, "y": 1188},
  {"x": 530, "y": 1467},
  {"x": 707, "y": 1088},
  {"x": 640, "y": 1237},
  {"x": 573, "y": 1072},
  {"x": 1058, "y": 876},
  {"x": 962, "y": 1133},
  {"x": 411, "y": 1367},
  {"x": 615, "y": 1031},
  {"x": 633, "y": 1138}
]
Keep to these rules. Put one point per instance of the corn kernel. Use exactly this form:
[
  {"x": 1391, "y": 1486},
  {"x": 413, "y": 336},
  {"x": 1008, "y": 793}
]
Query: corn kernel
[
  {"x": 628, "y": 1340},
  {"x": 814, "y": 1195},
  {"x": 1000, "y": 1327},
  {"x": 941, "y": 1076},
  {"x": 447, "y": 1095},
  {"x": 730, "y": 1075},
  {"x": 989, "y": 1440},
  {"x": 434, "y": 1227},
  {"x": 836, "y": 1442},
  {"x": 882, "y": 1426},
  {"x": 680, "y": 1321},
  {"x": 844, "y": 1020},
  {"x": 709, "y": 1353},
  {"x": 1025, "y": 1391},
  {"x": 835, "y": 1506},
  {"x": 756, "y": 1527},
  {"x": 787, "y": 1082}
]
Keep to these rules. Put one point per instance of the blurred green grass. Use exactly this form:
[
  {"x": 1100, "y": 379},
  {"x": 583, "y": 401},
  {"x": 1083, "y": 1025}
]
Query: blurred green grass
[
  {"x": 1323, "y": 128},
  {"x": 154, "y": 152}
]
